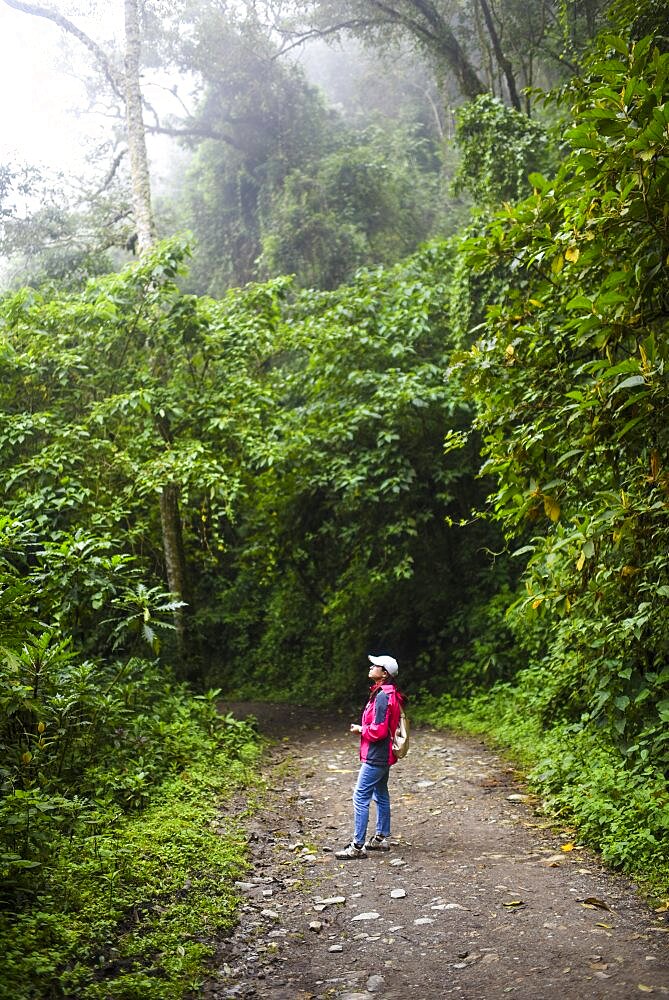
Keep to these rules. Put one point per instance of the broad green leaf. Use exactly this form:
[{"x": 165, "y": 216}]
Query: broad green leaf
[{"x": 630, "y": 383}]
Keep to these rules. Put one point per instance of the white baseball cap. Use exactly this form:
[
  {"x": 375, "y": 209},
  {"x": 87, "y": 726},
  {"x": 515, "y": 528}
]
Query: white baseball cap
[{"x": 389, "y": 663}]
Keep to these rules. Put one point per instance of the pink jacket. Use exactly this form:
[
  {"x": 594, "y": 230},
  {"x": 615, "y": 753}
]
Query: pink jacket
[{"x": 379, "y": 722}]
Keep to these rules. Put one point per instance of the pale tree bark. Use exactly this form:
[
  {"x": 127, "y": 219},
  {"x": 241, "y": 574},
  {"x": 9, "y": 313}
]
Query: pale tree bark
[
  {"x": 125, "y": 85},
  {"x": 170, "y": 514},
  {"x": 136, "y": 133}
]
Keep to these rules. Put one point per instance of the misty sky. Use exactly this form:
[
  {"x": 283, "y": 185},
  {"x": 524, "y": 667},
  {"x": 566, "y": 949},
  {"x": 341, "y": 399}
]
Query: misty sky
[{"x": 36, "y": 121}]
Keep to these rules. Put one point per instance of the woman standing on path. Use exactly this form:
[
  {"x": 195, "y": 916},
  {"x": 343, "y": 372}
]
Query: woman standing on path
[{"x": 380, "y": 718}]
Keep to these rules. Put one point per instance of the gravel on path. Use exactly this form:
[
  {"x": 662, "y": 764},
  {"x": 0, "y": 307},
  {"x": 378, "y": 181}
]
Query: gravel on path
[{"x": 479, "y": 898}]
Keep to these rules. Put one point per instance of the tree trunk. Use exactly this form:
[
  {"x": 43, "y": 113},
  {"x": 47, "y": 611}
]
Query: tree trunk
[
  {"x": 128, "y": 88},
  {"x": 170, "y": 515},
  {"x": 502, "y": 61},
  {"x": 429, "y": 25},
  {"x": 139, "y": 165},
  {"x": 175, "y": 561}
]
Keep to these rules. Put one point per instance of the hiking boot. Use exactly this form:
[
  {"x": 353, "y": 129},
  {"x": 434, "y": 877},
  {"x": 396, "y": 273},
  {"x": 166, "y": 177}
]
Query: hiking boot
[
  {"x": 350, "y": 852},
  {"x": 378, "y": 843}
]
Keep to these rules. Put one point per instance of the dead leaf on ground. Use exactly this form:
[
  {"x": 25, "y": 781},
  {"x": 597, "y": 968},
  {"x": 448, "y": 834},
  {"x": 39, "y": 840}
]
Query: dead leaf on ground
[{"x": 592, "y": 901}]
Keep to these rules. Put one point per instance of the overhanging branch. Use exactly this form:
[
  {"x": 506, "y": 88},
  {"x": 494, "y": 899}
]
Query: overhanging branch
[{"x": 194, "y": 132}]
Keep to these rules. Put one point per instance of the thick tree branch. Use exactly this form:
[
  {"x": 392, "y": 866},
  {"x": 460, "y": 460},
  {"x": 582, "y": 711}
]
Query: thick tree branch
[
  {"x": 426, "y": 25},
  {"x": 111, "y": 173},
  {"x": 439, "y": 39},
  {"x": 299, "y": 38},
  {"x": 194, "y": 132}
]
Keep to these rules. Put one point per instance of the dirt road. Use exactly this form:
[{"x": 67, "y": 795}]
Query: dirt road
[{"x": 478, "y": 899}]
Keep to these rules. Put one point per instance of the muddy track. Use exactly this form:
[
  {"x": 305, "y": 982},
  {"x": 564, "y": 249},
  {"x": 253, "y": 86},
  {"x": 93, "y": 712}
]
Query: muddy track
[{"x": 478, "y": 899}]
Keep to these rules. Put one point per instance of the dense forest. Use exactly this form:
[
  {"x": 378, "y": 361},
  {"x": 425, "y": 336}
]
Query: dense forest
[{"x": 380, "y": 367}]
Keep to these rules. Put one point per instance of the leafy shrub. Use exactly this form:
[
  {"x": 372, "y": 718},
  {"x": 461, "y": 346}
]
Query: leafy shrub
[
  {"x": 499, "y": 149},
  {"x": 78, "y": 738},
  {"x": 622, "y": 811},
  {"x": 568, "y": 377}
]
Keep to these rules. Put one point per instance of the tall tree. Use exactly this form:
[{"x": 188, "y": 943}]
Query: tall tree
[
  {"x": 139, "y": 167},
  {"x": 126, "y": 86},
  {"x": 432, "y": 24},
  {"x": 488, "y": 45},
  {"x": 274, "y": 120}
]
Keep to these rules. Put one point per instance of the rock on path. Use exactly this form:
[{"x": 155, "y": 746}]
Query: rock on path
[{"x": 478, "y": 898}]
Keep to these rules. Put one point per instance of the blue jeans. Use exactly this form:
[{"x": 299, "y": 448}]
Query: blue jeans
[{"x": 372, "y": 783}]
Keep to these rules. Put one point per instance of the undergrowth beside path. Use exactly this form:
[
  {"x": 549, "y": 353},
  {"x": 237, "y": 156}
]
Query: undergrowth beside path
[{"x": 131, "y": 910}]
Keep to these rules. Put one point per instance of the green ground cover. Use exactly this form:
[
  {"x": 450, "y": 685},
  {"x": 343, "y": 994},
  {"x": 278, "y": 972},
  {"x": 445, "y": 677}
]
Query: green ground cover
[{"x": 129, "y": 905}]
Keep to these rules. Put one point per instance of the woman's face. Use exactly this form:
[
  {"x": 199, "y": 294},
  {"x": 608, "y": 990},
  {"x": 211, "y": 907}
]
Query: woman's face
[{"x": 376, "y": 674}]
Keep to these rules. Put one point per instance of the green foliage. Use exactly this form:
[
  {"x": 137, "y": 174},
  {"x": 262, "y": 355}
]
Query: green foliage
[
  {"x": 91, "y": 732},
  {"x": 568, "y": 377},
  {"x": 79, "y": 737},
  {"x": 647, "y": 17},
  {"x": 264, "y": 121},
  {"x": 51, "y": 234},
  {"x": 499, "y": 149},
  {"x": 625, "y": 814},
  {"x": 287, "y": 185},
  {"x": 108, "y": 398},
  {"x": 359, "y": 198},
  {"x": 93, "y": 902},
  {"x": 371, "y": 201},
  {"x": 579, "y": 346},
  {"x": 485, "y": 648},
  {"x": 354, "y": 491}
]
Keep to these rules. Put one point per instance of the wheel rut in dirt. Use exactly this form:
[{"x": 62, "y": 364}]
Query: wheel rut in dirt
[{"x": 479, "y": 898}]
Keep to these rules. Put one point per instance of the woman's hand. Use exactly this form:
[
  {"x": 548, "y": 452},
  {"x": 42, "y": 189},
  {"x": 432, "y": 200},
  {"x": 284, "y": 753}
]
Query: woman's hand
[{"x": 355, "y": 728}]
